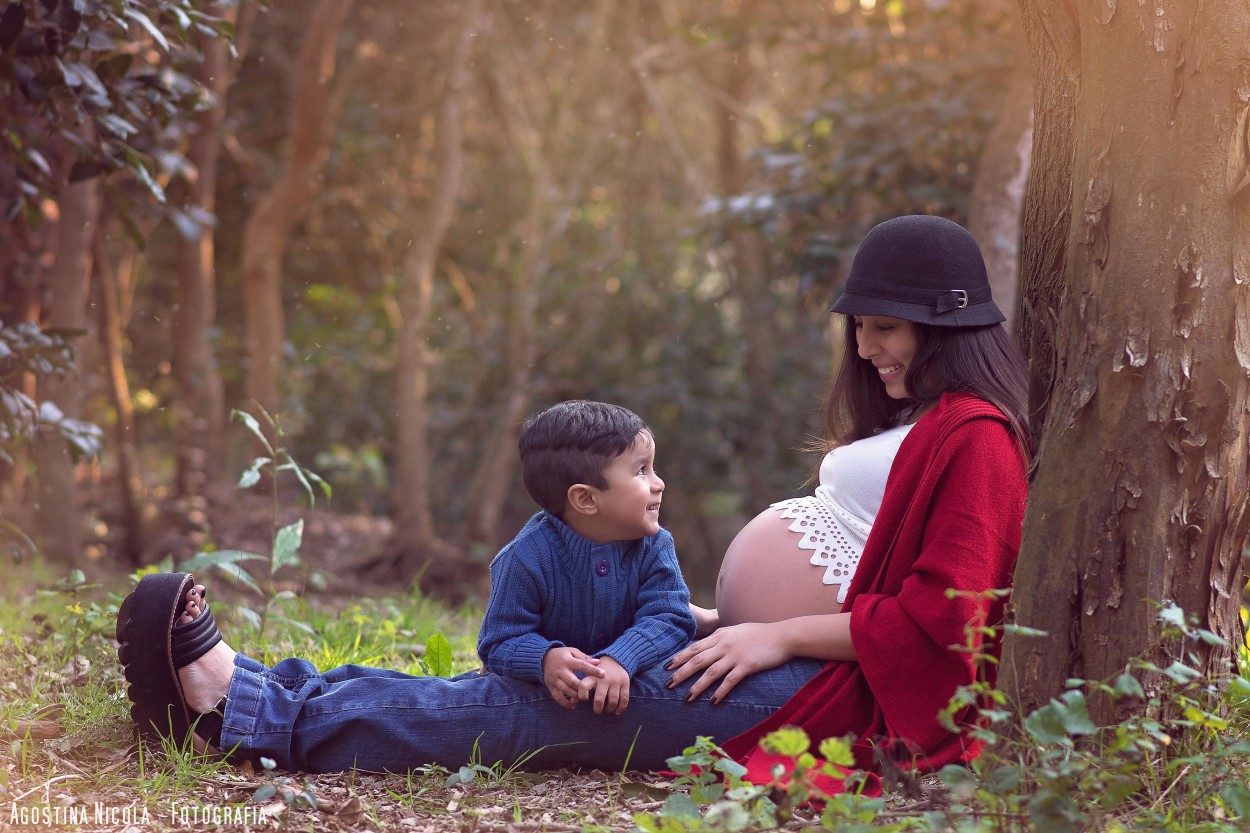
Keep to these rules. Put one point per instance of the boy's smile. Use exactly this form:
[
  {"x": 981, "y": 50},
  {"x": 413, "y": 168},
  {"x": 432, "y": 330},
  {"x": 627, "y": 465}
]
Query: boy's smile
[{"x": 629, "y": 508}]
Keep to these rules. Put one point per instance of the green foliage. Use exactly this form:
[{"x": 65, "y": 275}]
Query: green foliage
[
  {"x": 912, "y": 90},
  {"x": 79, "y": 95},
  {"x": 26, "y": 348},
  {"x": 287, "y": 538},
  {"x": 438, "y": 660},
  {"x": 1178, "y": 761}
]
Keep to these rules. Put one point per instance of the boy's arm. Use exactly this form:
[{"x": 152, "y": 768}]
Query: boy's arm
[
  {"x": 663, "y": 623},
  {"x": 509, "y": 641}
]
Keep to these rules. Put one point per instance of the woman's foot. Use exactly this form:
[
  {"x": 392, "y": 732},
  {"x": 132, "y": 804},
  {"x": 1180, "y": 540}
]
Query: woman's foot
[{"x": 206, "y": 680}]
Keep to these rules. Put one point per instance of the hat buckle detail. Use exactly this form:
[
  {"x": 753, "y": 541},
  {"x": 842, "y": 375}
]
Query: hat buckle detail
[{"x": 952, "y": 299}]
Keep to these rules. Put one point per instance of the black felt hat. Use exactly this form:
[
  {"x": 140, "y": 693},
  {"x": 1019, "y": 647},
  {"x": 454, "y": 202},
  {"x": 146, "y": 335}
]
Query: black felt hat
[{"x": 920, "y": 268}]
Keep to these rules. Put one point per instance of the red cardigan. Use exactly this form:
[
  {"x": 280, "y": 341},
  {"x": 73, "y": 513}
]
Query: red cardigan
[{"x": 951, "y": 517}]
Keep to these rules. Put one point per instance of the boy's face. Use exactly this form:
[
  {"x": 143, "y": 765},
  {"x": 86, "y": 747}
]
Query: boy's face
[{"x": 629, "y": 508}]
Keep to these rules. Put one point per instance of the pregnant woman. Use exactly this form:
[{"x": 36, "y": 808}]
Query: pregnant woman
[{"x": 842, "y": 612}]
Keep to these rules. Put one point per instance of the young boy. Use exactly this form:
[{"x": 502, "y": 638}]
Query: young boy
[{"x": 589, "y": 592}]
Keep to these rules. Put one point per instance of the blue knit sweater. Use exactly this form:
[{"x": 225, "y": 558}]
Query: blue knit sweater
[{"x": 552, "y": 587}]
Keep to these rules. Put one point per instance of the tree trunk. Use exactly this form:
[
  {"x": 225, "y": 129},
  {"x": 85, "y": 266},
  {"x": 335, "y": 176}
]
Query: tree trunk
[
  {"x": 199, "y": 412},
  {"x": 130, "y": 488},
  {"x": 314, "y": 111},
  {"x": 748, "y": 269},
  {"x": 1144, "y": 476},
  {"x": 546, "y": 218},
  {"x": 59, "y": 514},
  {"x": 417, "y": 542},
  {"x": 1054, "y": 41},
  {"x": 996, "y": 205}
]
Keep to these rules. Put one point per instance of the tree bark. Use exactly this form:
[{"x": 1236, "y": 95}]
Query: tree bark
[
  {"x": 1054, "y": 41},
  {"x": 416, "y": 539},
  {"x": 544, "y": 222},
  {"x": 995, "y": 209},
  {"x": 200, "y": 409},
  {"x": 314, "y": 111},
  {"x": 130, "y": 487},
  {"x": 1144, "y": 475},
  {"x": 59, "y": 516},
  {"x": 748, "y": 269}
]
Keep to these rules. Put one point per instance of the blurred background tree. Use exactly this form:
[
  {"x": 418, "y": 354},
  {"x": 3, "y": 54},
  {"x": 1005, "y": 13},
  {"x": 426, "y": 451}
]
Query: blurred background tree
[{"x": 512, "y": 203}]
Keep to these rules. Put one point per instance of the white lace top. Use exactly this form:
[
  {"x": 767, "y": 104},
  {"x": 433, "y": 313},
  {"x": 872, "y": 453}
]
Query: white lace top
[{"x": 836, "y": 520}]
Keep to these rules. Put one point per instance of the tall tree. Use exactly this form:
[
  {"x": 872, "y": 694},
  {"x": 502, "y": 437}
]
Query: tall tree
[
  {"x": 316, "y": 100},
  {"x": 557, "y": 157},
  {"x": 1143, "y": 482},
  {"x": 60, "y": 524},
  {"x": 199, "y": 412},
  {"x": 417, "y": 543},
  {"x": 996, "y": 204}
]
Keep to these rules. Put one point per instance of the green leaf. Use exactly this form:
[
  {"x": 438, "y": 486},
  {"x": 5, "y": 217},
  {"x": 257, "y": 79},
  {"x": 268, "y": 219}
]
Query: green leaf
[
  {"x": 438, "y": 657},
  {"x": 788, "y": 740},
  {"x": 680, "y": 805},
  {"x": 298, "y": 471},
  {"x": 1172, "y": 615},
  {"x": 1060, "y": 719},
  {"x": 248, "y": 615},
  {"x": 729, "y": 767},
  {"x": 1126, "y": 685},
  {"x": 227, "y": 561},
  {"x": 216, "y": 558},
  {"x": 1237, "y": 799},
  {"x": 252, "y": 425},
  {"x": 1181, "y": 673},
  {"x": 146, "y": 22},
  {"x": 837, "y": 751},
  {"x": 1021, "y": 630},
  {"x": 286, "y": 545},
  {"x": 1210, "y": 638},
  {"x": 264, "y": 793},
  {"x": 962, "y": 783},
  {"x": 1239, "y": 690},
  {"x": 251, "y": 476},
  {"x": 728, "y": 815}
]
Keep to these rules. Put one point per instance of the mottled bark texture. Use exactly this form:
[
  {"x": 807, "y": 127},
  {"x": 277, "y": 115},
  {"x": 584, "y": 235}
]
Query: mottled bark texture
[
  {"x": 315, "y": 106},
  {"x": 1137, "y": 247}
]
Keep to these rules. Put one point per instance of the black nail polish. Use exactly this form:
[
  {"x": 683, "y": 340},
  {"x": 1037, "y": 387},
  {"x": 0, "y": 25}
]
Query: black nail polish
[{"x": 671, "y": 682}]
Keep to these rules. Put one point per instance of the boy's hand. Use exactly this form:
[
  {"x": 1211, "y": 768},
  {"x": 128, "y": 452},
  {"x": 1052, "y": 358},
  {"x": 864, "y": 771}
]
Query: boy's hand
[
  {"x": 706, "y": 620},
  {"x": 611, "y": 691},
  {"x": 560, "y": 669}
]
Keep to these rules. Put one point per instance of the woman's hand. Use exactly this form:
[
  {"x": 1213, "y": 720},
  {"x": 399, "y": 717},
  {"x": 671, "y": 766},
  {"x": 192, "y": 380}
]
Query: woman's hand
[{"x": 729, "y": 655}]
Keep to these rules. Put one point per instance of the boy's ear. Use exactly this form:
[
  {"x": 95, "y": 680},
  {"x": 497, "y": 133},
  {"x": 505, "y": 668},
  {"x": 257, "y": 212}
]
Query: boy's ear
[{"x": 581, "y": 499}]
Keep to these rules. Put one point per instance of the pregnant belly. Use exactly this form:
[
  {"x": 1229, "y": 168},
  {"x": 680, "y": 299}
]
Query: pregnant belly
[{"x": 765, "y": 577}]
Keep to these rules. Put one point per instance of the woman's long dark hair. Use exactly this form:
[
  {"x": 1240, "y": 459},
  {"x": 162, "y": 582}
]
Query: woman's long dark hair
[{"x": 984, "y": 361}]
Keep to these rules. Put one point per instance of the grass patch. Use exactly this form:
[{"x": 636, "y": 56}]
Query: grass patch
[{"x": 68, "y": 753}]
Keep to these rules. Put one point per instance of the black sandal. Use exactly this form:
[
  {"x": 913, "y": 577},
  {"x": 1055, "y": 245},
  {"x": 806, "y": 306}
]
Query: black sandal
[{"x": 151, "y": 649}]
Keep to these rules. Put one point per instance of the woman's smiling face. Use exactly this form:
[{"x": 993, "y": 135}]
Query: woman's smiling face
[{"x": 890, "y": 344}]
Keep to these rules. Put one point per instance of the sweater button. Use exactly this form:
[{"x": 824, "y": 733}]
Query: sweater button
[
  {"x": 602, "y": 567},
  {"x": 601, "y": 641}
]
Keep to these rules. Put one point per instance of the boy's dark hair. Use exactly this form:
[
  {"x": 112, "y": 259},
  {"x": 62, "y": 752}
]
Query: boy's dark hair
[{"x": 573, "y": 442}]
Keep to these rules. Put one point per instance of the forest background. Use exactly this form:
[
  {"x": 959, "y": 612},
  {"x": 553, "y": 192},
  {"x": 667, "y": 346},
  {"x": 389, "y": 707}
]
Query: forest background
[{"x": 400, "y": 229}]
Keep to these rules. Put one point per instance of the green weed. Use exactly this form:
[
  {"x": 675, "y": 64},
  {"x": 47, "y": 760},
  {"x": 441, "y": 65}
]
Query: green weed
[{"x": 1179, "y": 762}]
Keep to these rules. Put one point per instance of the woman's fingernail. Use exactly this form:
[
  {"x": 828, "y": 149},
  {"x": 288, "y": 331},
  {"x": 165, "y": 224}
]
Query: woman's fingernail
[{"x": 671, "y": 682}]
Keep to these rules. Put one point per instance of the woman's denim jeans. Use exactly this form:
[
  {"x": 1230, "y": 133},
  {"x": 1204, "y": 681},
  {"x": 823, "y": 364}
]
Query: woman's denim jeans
[{"x": 381, "y": 720}]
